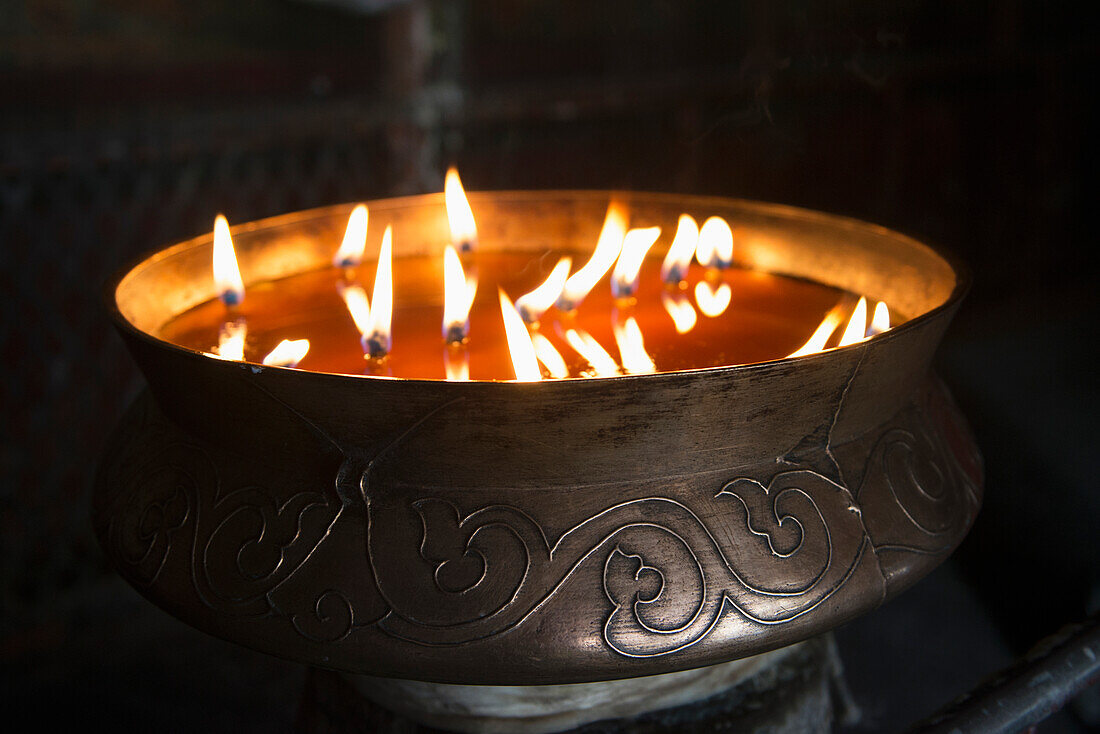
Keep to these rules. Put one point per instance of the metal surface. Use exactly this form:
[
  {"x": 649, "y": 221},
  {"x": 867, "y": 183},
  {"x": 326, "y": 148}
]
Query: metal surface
[
  {"x": 1057, "y": 669},
  {"x": 565, "y": 531}
]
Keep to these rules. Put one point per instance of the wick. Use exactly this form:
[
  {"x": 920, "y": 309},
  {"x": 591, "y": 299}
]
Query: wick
[
  {"x": 467, "y": 245},
  {"x": 231, "y": 299},
  {"x": 376, "y": 346},
  {"x": 676, "y": 276},
  {"x": 456, "y": 334}
]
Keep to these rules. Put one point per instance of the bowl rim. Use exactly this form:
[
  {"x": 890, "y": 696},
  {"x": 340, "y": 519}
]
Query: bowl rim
[{"x": 962, "y": 273}]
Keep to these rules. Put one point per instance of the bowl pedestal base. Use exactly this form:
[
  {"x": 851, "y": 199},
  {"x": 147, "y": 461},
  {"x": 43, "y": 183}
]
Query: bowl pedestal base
[{"x": 799, "y": 688}]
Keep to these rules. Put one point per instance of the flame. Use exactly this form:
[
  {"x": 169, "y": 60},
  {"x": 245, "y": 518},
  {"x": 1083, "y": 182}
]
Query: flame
[
  {"x": 681, "y": 311},
  {"x": 675, "y": 267},
  {"x": 713, "y": 301},
  {"x": 288, "y": 353},
  {"x": 458, "y": 297},
  {"x": 351, "y": 249},
  {"x": 857, "y": 326},
  {"x": 818, "y": 339},
  {"x": 231, "y": 340},
  {"x": 524, "y": 361},
  {"x": 459, "y": 214},
  {"x": 607, "y": 250},
  {"x": 880, "y": 321},
  {"x": 355, "y": 298},
  {"x": 587, "y": 346},
  {"x": 628, "y": 336},
  {"x": 227, "y": 276},
  {"x": 715, "y": 248},
  {"x": 456, "y": 361},
  {"x": 549, "y": 356},
  {"x": 377, "y": 341},
  {"x": 636, "y": 243},
  {"x": 531, "y": 306}
]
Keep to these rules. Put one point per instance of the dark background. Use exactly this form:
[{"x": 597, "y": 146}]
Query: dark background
[{"x": 127, "y": 124}]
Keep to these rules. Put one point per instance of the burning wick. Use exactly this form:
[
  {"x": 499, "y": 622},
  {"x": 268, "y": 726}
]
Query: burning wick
[
  {"x": 373, "y": 324},
  {"x": 856, "y": 331},
  {"x": 459, "y": 215},
  {"x": 820, "y": 337},
  {"x": 713, "y": 300},
  {"x": 587, "y": 346},
  {"x": 288, "y": 353},
  {"x": 607, "y": 250},
  {"x": 231, "y": 339},
  {"x": 681, "y": 311},
  {"x": 674, "y": 269},
  {"x": 533, "y": 305},
  {"x": 880, "y": 321},
  {"x": 377, "y": 341},
  {"x": 636, "y": 243},
  {"x": 715, "y": 248},
  {"x": 628, "y": 337},
  {"x": 227, "y": 276},
  {"x": 458, "y": 297},
  {"x": 351, "y": 249},
  {"x": 525, "y": 362},
  {"x": 549, "y": 356}
]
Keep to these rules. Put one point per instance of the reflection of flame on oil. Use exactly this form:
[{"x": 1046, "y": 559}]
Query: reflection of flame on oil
[
  {"x": 713, "y": 300},
  {"x": 680, "y": 309},
  {"x": 456, "y": 363},
  {"x": 628, "y": 337},
  {"x": 231, "y": 338},
  {"x": 549, "y": 356},
  {"x": 586, "y": 345}
]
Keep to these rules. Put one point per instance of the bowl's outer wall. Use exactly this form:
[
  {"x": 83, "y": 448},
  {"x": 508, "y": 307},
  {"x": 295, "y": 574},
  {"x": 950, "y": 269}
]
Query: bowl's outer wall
[{"x": 553, "y": 532}]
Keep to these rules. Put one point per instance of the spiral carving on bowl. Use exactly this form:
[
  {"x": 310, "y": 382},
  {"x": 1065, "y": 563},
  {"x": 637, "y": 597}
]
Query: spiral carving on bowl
[
  {"x": 769, "y": 553},
  {"x": 652, "y": 572}
]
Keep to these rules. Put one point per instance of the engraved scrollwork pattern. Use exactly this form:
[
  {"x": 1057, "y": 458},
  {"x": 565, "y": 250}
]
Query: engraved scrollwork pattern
[{"x": 670, "y": 568}]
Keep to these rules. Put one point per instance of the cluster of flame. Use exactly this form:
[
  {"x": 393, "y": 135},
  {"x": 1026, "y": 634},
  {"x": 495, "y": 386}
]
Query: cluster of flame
[{"x": 620, "y": 250}]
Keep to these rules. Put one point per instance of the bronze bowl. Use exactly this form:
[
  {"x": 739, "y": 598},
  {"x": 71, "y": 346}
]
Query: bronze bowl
[{"x": 556, "y": 532}]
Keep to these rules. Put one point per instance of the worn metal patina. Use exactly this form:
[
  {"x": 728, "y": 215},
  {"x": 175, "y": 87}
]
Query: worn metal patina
[{"x": 564, "y": 531}]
